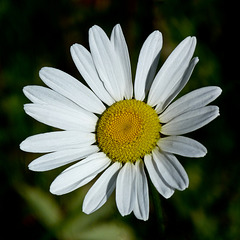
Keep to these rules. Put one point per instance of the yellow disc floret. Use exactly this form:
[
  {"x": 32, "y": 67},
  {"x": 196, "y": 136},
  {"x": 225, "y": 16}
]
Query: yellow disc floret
[{"x": 128, "y": 130}]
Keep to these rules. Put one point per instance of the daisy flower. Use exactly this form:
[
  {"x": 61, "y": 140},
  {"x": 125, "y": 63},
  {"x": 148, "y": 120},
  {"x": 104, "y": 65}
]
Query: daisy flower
[{"x": 117, "y": 127}]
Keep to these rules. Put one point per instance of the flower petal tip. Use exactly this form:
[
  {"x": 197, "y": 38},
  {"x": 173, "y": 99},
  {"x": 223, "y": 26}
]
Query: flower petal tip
[
  {"x": 218, "y": 91},
  {"x": 86, "y": 211},
  {"x": 21, "y": 145},
  {"x": 25, "y": 89},
  {"x": 168, "y": 194},
  {"x": 202, "y": 155},
  {"x": 202, "y": 152},
  {"x": 196, "y": 60},
  {"x": 35, "y": 167},
  {"x": 53, "y": 190},
  {"x": 32, "y": 167},
  {"x": 24, "y": 146},
  {"x": 143, "y": 218}
]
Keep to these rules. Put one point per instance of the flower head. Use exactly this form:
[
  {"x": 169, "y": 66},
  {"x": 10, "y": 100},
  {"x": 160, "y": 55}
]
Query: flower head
[{"x": 117, "y": 128}]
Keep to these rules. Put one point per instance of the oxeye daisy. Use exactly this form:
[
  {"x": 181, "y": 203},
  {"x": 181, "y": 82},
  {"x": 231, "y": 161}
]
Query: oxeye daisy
[{"x": 118, "y": 128}]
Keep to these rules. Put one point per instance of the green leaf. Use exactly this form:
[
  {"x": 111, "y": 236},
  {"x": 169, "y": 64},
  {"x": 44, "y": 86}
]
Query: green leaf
[
  {"x": 106, "y": 231},
  {"x": 43, "y": 205}
]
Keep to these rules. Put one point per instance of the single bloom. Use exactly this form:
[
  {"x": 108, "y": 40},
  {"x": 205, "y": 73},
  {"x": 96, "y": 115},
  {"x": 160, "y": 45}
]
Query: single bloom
[{"x": 116, "y": 127}]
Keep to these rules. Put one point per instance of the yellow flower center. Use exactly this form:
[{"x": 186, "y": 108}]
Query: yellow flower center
[{"x": 128, "y": 130}]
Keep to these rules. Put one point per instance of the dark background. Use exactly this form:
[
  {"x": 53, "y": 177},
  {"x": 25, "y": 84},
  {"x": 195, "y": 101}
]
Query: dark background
[{"x": 34, "y": 34}]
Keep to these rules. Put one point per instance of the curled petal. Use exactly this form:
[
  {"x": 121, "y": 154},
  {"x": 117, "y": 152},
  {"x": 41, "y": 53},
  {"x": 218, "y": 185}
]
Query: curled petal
[
  {"x": 79, "y": 174},
  {"x": 60, "y": 158},
  {"x": 171, "y": 170},
  {"x": 171, "y": 73},
  {"x": 156, "y": 177},
  {"x": 182, "y": 146},
  {"x": 193, "y": 100},
  {"x": 63, "y": 118},
  {"x": 147, "y": 64},
  {"x": 190, "y": 121},
  {"x": 85, "y": 65},
  {"x": 106, "y": 62},
  {"x": 125, "y": 189},
  {"x": 72, "y": 89},
  {"x": 141, "y": 208},
  {"x": 55, "y": 141},
  {"x": 121, "y": 49},
  {"x": 102, "y": 189}
]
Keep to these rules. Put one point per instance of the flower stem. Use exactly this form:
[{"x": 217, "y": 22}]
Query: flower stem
[{"x": 158, "y": 214}]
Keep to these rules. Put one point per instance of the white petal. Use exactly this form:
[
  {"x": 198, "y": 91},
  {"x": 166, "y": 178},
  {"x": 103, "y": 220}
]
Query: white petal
[
  {"x": 178, "y": 87},
  {"x": 79, "y": 174},
  {"x": 170, "y": 75},
  {"x": 121, "y": 49},
  {"x": 155, "y": 175},
  {"x": 141, "y": 208},
  {"x": 101, "y": 189},
  {"x": 182, "y": 146},
  {"x": 62, "y": 118},
  {"x": 85, "y": 65},
  {"x": 106, "y": 62},
  {"x": 55, "y": 141},
  {"x": 41, "y": 95},
  {"x": 193, "y": 100},
  {"x": 190, "y": 121},
  {"x": 60, "y": 158},
  {"x": 71, "y": 88},
  {"x": 125, "y": 189},
  {"x": 171, "y": 170},
  {"x": 147, "y": 64}
]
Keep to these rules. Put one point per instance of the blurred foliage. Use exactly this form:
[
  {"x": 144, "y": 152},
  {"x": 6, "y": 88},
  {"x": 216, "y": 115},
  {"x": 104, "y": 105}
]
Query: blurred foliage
[{"x": 39, "y": 33}]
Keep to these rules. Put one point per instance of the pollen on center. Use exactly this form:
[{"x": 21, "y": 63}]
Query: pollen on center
[{"x": 128, "y": 130}]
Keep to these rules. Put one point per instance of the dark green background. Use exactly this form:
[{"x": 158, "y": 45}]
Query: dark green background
[{"x": 34, "y": 34}]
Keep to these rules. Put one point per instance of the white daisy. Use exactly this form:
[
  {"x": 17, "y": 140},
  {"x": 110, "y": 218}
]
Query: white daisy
[{"x": 117, "y": 128}]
